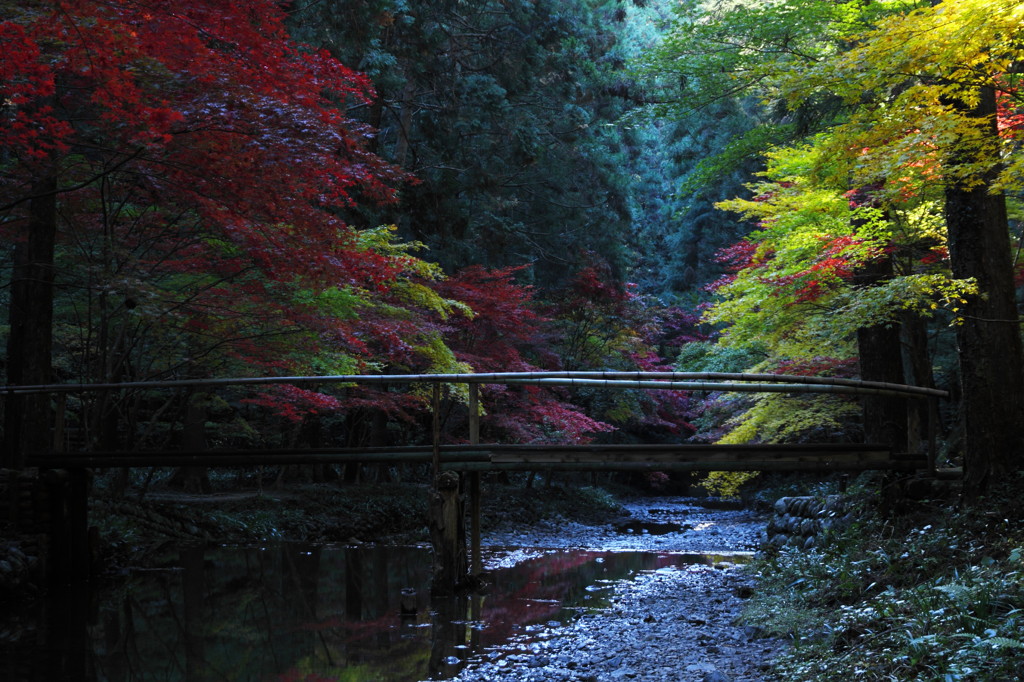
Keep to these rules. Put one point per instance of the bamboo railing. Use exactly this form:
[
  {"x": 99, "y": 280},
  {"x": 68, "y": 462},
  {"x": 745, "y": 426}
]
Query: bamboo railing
[
  {"x": 690, "y": 381},
  {"x": 679, "y": 381}
]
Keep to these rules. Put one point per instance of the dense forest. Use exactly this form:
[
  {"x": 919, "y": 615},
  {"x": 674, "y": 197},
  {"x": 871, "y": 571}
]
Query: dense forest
[
  {"x": 820, "y": 188},
  {"x": 332, "y": 189},
  {"x": 385, "y": 186}
]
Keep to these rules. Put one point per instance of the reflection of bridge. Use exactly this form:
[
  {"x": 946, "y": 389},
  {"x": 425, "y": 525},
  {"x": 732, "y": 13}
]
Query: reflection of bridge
[{"x": 475, "y": 457}]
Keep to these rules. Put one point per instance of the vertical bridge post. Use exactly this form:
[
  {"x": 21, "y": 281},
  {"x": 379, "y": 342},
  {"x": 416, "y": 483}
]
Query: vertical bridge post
[
  {"x": 474, "y": 483},
  {"x": 933, "y": 428},
  {"x": 447, "y": 517},
  {"x": 435, "y": 413}
]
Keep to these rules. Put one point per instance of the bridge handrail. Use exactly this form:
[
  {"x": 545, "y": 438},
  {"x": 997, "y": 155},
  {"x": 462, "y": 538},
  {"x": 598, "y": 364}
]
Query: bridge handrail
[{"x": 691, "y": 381}]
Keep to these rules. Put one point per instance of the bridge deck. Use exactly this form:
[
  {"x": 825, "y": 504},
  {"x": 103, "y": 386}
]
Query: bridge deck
[{"x": 495, "y": 457}]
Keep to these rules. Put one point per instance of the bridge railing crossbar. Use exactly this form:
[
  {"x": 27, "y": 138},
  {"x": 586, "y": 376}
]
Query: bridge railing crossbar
[{"x": 682, "y": 381}]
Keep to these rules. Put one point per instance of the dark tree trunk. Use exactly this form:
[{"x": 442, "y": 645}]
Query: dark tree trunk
[
  {"x": 885, "y": 417},
  {"x": 405, "y": 123},
  {"x": 989, "y": 342},
  {"x": 917, "y": 371},
  {"x": 29, "y": 346},
  {"x": 881, "y": 359}
]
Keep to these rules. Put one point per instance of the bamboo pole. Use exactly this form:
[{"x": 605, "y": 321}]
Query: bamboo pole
[
  {"x": 244, "y": 459},
  {"x": 702, "y": 381},
  {"x": 474, "y": 414},
  {"x": 58, "y": 422},
  {"x": 822, "y": 464},
  {"x": 731, "y": 387}
]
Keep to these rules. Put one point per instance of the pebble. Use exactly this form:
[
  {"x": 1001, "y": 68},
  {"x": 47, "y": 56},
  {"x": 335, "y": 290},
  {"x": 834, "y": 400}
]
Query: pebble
[{"x": 666, "y": 626}]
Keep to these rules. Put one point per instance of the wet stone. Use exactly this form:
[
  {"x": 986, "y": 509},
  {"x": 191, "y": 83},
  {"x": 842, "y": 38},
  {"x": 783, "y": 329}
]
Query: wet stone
[{"x": 675, "y": 624}]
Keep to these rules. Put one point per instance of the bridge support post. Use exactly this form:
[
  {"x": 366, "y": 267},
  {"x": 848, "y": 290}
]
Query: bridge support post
[
  {"x": 68, "y": 559},
  {"x": 447, "y": 535},
  {"x": 933, "y": 428},
  {"x": 447, "y": 517},
  {"x": 78, "y": 526},
  {"x": 474, "y": 483}
]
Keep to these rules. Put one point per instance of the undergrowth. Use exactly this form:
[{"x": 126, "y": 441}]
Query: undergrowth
[{"x": 937, "y": 594}]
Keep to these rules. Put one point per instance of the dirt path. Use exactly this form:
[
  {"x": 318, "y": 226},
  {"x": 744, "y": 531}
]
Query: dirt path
[{"x": 673, "y": 624}]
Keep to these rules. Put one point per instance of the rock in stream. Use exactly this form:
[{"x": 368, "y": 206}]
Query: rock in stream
[{"x": 669, "y": 625}]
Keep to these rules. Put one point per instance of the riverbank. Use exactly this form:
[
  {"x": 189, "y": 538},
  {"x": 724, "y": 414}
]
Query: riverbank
[
  {"x": 923, "y": 593},
  {"x": 670, "y": 623},
  {"x": 673, "y": 624},
  {"x": 932, "y": 590},
  {"x": 385, "y": 513}
]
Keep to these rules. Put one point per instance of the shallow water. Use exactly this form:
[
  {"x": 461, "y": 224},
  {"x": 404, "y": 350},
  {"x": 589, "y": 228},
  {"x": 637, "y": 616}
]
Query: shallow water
[{"x": 300, "y": 612}]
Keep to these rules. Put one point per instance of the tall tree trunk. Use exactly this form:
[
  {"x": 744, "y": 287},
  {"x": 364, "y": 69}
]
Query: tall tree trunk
[
  {"x": 885, "y": 417},
  {"x": 881, "y": 359},
  {"x": 405, "y": 122},
  {"x": 29, "y": 346},
  {"x": 989, "y": 341},
  {"x": 917, "y": 371}
]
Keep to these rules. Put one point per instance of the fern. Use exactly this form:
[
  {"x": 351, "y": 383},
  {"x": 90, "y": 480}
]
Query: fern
[
  {"x": 958, "y": 592},
  {"x": 1001, "y": 643}
]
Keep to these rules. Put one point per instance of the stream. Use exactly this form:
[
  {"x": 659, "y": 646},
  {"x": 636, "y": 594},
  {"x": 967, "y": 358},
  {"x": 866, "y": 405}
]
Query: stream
[{"x": 649, "y": 596}]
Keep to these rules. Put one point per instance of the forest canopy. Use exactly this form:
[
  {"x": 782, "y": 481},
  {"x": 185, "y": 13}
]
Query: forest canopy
[{"x": 797, "y": 186}]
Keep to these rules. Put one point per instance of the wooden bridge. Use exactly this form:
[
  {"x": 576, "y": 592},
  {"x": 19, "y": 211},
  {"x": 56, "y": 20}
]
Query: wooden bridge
[{"x": 476, "y": 457}]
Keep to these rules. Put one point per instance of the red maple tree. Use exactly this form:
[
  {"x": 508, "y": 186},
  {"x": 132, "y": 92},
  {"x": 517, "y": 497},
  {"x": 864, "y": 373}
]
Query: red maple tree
[
  {"x": 508, "y": 334},
  {"x": 193, "y": 142}
]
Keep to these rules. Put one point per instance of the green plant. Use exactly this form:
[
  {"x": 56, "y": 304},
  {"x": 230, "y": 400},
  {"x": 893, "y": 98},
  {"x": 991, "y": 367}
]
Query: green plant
[{"x": 898, "y": 599}]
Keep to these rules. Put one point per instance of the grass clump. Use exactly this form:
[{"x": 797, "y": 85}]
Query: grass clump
[{"x": 937, "y": 594}]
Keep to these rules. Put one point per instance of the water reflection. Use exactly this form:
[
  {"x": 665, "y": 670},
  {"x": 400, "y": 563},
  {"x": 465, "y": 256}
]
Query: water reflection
[{"x": 294, "y": 612}]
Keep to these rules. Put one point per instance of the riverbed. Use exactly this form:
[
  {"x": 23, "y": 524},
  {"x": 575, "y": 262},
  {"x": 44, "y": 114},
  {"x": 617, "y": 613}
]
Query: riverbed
[
  {"x": 651, "y": 592},
  {"x": 676, "y": 623}
]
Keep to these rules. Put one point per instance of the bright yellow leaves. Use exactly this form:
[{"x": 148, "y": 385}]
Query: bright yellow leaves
[{"x": 912, "y": 82}]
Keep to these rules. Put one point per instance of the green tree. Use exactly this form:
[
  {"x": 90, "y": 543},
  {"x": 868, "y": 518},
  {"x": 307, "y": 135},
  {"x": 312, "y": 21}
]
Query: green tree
[
  {"x": 923, "y": 87},
  {"x": 502, "y": 110},
  {"x": 909, "y": 97}
]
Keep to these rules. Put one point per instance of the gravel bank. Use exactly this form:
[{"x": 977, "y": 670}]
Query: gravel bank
[
  {"x": 673, "y": 624},
  {"x": 645, "y": 525}
]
